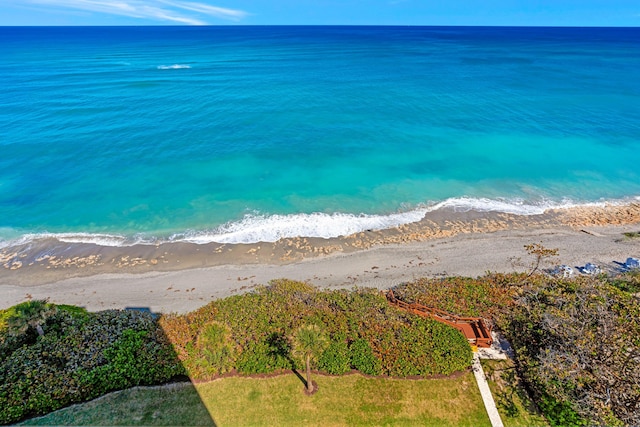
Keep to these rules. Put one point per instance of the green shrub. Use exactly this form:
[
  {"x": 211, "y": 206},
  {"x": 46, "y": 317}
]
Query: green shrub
[
  {"x": 423, "y": 347},
  {"x": 560, "y": 414},
  {"x": 5, "y": 315},
  {"x": 259, "y": 321},
  {"x": 75, "y": 311},
  {"x": 255, "y": 359},
  {"x": 216, "y": 349},
  {"x": 463, "y": 296},
  {"x": 574, "y": 340},
  {"x": 335, "y": 359},
  {"x": 265, "y": 356},
  {"x": 22, "y": 324},
  {"x": 80, "y": 357},
  {"x": 84, "y": 355},
  {"x": 363, "y": 359},
  {"x": 628, "y": 282}
]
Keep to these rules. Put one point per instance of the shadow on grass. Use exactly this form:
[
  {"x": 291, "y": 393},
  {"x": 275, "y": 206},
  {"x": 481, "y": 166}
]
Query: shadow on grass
[{"x": 172, "y": 404}]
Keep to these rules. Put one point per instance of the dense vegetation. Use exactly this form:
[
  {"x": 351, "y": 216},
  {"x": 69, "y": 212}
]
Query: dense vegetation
[
  {"x": 254, "y": 334},
  {"x": 578, "y": 346},
  {"x": 576, "y": 341},
  {"x": 51, "y": 356}
]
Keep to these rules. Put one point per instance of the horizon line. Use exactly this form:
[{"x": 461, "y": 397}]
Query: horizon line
[{"x": 321, "y": 25}]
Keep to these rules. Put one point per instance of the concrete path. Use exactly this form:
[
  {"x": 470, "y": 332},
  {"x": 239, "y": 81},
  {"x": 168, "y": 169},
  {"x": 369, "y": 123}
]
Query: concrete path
[{"x": 485, "y": 392}]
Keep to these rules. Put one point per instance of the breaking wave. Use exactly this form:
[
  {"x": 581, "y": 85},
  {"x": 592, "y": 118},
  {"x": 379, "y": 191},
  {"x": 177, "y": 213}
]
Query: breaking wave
[
  {"x": 261, "y": 228},
  {"x": 270, "y": 228}
]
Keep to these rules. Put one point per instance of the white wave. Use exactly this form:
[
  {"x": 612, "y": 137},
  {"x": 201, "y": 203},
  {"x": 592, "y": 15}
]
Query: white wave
[
  {"x": 173, "y": 67},
  {"x": 98, "y": 239},
  {"x": 519, "y": 206},
  {"x": 271, "y": 228},
  {"x": 90, "y": 238},
  {"x": 512, "y": 206},
  {"x": 260, "y": 228}
]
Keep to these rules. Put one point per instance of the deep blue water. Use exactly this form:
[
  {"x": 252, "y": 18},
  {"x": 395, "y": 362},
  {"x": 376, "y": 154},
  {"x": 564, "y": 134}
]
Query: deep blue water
[{"x": 152, "y": 132}]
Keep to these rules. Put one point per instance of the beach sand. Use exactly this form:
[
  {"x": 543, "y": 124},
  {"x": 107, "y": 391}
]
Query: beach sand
[{"x": 179, "y": 277}]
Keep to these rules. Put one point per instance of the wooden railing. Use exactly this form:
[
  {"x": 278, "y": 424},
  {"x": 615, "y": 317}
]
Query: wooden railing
[{"x": 473, "y": 328}]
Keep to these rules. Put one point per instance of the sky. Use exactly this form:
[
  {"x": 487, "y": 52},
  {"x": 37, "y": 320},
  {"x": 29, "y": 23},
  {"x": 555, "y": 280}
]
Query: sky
[{"x": 322, "y": 12}]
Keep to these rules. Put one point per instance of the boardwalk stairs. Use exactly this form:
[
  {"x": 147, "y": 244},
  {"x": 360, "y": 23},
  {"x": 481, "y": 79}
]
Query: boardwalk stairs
[{"x": 473, "y": 328}]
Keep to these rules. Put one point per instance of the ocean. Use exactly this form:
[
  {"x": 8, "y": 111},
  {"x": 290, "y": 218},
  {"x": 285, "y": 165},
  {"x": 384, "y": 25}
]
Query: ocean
[{"x": 123, "y": 135}]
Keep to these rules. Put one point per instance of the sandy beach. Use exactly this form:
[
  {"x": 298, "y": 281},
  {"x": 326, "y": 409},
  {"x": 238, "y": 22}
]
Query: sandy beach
[{"x": 179, "y": 277}]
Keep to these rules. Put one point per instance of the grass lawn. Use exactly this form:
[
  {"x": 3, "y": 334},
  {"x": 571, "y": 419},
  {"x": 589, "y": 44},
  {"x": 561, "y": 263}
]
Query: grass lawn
[
  {"x": 173, "y": 404},
  {"x": 280, "y": 401},
  {"x": 346, "y": 400},
  {"x": 515, "y": 407}
]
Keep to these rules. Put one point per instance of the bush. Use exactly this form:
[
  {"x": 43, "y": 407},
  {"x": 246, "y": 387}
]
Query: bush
[
  {"x": 84, "y": 355},
  {"x": 80, "y": 357},
  {"x": 5, "y": 315},
  {"x": 215, "y": 351},
  {"x": 560, "y": 414},
  {"x": 464, "y": 296},
  {"x": 22, "y": 324},
  {"x": 577, "y": 349},
  {"x": 426, "y": 347},
  {"x": 256, "y": 359},
  {"x": 363, "y": 359},
  {"x": 628, "y": 282},
  {"x": 259, "y": 322},
  {"x": 335, "y": 359}
]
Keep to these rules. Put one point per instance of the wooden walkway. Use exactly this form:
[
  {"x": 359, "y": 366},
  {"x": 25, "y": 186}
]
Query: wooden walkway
[{"x": 473, "y": 328}]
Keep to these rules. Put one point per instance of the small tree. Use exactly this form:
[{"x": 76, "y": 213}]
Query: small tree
[
  {"x": 31, "y": 314},
  {"x": 540, "y": 256},
  {"x": 217, "y": 348},
  {"x": 309, "y": 342}
]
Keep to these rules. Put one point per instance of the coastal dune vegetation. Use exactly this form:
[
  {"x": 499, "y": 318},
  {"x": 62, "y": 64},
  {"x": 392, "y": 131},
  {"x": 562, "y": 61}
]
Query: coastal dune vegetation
[
  {"x": 83, "y": 355},
  {"x": 575, "y": 342}
]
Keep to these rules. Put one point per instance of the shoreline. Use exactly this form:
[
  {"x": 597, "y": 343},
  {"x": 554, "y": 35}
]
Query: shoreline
[{"x": 184, "y": 276}]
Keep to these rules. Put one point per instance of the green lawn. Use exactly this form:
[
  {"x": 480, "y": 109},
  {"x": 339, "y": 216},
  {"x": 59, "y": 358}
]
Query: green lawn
[
  {"x": 346, "y": 400},
  {"x": 280, "y": 401},
  {"x": 173, "y": 404}
]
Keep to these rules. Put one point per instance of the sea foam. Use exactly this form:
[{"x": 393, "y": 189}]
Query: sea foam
[
  {"x": 261, "y": 228},
  {"x": 253, "y": 228},
  {"x": 99, "y": 239},
  {"x": 270, "y": 228},
  {"x": 173, "y": 67}
]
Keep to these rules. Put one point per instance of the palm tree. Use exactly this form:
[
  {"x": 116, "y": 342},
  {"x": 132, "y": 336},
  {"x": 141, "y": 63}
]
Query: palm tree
[
  {"x": 309, "y": 342},
  {"x": 30, "y": 314}
]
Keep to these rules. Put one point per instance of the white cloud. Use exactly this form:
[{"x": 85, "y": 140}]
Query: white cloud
[
  {"x": 218, "y": 12},
  {"x": 160, "y": 10}
]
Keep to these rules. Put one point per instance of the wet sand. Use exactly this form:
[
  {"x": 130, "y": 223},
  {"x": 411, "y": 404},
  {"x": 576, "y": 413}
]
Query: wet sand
[{"x": 184, "y": 276}]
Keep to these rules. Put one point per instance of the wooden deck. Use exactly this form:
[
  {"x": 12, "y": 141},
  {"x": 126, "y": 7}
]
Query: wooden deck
[{"x": 473, "y": 328}]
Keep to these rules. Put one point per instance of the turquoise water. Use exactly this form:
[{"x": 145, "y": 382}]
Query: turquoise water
[{"x": 253, "y": 133}]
